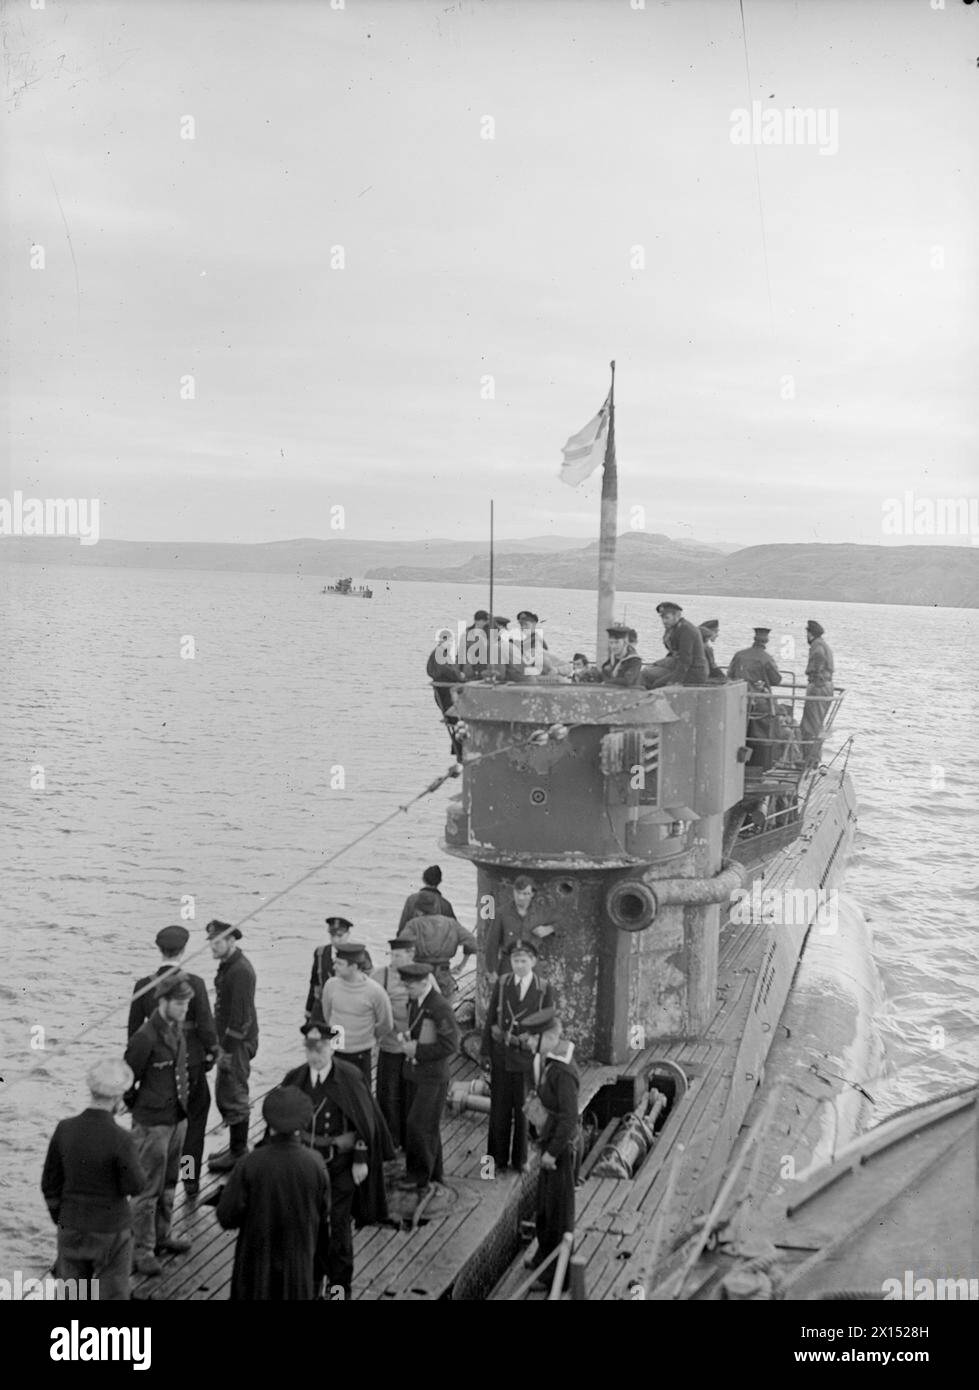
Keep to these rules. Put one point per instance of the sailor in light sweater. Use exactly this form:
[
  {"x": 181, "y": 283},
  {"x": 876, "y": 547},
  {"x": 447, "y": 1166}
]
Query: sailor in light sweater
[{"x": 359, "y": 1005}]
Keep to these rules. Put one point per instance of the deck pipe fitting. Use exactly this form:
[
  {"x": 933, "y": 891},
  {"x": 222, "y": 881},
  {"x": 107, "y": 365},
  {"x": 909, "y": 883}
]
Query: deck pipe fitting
[{"x": 632, "y": 904}]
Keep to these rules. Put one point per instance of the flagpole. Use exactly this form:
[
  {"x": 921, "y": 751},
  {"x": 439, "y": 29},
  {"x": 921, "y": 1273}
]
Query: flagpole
[
  {"x": 490, "y": 624},
  {"x": 606, "y": 535}
]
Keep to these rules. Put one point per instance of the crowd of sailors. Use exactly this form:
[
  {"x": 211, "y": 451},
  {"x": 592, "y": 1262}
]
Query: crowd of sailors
[
  {"x": 490, "y": 651},
  {"x": 341, "y": 1131}
]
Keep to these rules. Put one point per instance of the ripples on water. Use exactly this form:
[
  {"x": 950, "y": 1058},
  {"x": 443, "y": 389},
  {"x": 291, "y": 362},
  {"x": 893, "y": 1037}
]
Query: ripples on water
[{"x": 212, "y": 777}]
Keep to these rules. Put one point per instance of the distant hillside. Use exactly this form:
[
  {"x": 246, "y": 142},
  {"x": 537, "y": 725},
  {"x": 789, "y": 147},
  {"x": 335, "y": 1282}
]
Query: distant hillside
[
  {"x": 943, "y": 576},
  {"x": 940, "y": 575}
]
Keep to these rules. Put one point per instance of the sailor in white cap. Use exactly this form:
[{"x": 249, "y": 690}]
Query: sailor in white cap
[{"x": 91, "y": 1170}]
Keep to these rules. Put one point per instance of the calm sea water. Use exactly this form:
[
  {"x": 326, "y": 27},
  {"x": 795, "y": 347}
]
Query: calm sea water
[{"x": 216, "y": 778}]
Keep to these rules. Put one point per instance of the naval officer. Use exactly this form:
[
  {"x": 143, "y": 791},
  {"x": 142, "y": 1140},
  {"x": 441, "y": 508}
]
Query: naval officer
[{"x": 432, "y": 1040}]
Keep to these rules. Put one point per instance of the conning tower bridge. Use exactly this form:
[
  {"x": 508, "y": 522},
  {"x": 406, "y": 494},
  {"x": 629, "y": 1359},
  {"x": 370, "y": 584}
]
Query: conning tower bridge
[{"x": 613, "y": 801}]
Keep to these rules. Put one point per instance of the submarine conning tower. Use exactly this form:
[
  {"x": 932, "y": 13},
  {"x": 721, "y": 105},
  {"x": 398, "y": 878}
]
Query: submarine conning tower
[{"x": 612, "y": 801}]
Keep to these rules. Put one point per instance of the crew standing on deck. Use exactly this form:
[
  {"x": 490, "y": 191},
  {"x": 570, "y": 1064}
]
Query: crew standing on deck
[
  {"x": 359, "y": 1005},
  {"x": 507, "y": 1042},
  {"x": 391, "y": 1087},
  {"x": 558, "y": 1140},
  {"x": 324, "y": 960},
  {"x": 754, "y": 665},
  {"x": 157, "y": 1057},
  {"x": 623, "y": 666},
  {"x": 347, "y": 1129},
  {"x": 202, "y": 1048},
  {"x": 709, "y": 632},
  {"x": 437, "y": 938},
  {"x": 819, "y": 692},
  {"x": 278, "y": 1199},
  {"x": 237, "y": 1029},
  {"x": 91, "y": 1170},
  {"x": 519, "y": 919},
  {"x": 430, "y": 1044},
  {"x": 431, "y": 883}
]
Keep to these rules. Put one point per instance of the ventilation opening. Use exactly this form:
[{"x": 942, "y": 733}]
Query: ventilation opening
[{"x": 631, "y": 905}]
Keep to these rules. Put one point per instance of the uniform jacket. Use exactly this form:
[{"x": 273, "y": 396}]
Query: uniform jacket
[
  {"x": 91, "y": 1170},
  {"x": 437, "y": 938},
  {"x": 199, "y": 1030},
  {"x": 626, "y": 671},
  {"x": 278, "y": 1198},
  {"x": 686, "y": 664},
  {"x": 819, "y": 667},
  {"x": 234, "y": 1003},
  {"x": 344, "y": 1092},
  {"x": 506, "y": 1009},
  {"x": 431, "y": 1060},
  {"x": 410, "y": 908},
  {"x": 506, "y": 927},
  {"x": 714, "y": 672},
  {"x": 157, "y": 1054},
  {"x": 558, "y": 1092},
  {"x": 323, "y": 963},
  {"x": 754, "y": 665}
]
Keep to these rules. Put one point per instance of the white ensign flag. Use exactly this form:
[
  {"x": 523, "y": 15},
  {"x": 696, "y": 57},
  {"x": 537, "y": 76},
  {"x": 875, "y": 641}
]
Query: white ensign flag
[{"x": 585, "y": 450}]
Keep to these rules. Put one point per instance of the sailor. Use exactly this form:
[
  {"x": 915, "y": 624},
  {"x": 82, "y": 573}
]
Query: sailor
[
  {"x": 709, "y": 631},
  {"x": 357, "y": 1004},
  {"x": 507, "y": 1044},
  {"x": 202, "y": 1048},
  {"x": 431, "y": 1041},
  {"x": 582, "y": 670},
  {"x": 278, "y": 1199},
  {"x": 477, "y": 658},
  {"x": 444, "y": 675},
  {"x": 819, "y": 692},
  {"x": 522, "y": 918},
  {"x": 392, "y": 1088},
  {"x": 686, "y": 663},
  {"x": 432, "y": 882},
  {"x": 324, "y": 958},
  {"x": 237, "y": 1028},
  {"x": 754, "y": 665},
  {"x": 624, "y": 664},
  {"x": 91, "y": 1170},
  {"x": 348, "y": 1130},
  {"x": 157, "y": 1057},
  {"x": 437, "y": 938},
  {"x": 557, "y": 1082}
]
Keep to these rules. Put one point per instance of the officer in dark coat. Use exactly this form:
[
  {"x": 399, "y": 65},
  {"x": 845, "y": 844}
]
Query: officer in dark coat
[
  {"x": 431, "y": 1042},
  {"x": 278, "y": 1198},
  {"x": 347, "y": 1128},
  {"x": 623, "y": 666},
  {"x": 686, "y": 663},
  {"x": 237, "y": 1029},
  {"x": 202, "y": 1048},
  {"x": 157, "y": 1057},
  {"x": 324, "y": 960},
  {"x": 557, "y": 1088},
  {"x": 508, "y": 1044},
  {"x": 91, "y": 1170},
  {"x": 754, "y": 665}
]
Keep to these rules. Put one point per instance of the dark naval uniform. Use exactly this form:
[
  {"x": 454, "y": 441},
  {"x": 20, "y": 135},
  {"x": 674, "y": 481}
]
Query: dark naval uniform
[
  {"x": 91, "y": 1170},
  {"x": 558, "y": 1092},
  {"x": 278, "y": 1197},
  {"x": 347, "y": 1128},
  {"x": 237, "y": 1030},
  {"x": 686, "y": 663},
  {"x": 627, "y": 670},
  {"x": 754, "y": 665},
  {"x": 511, "y": 1065},
  {"x": 819, "y": 683},
  {"x": 432, "y": 1024},
  {"x": 202, "y": 1045},
  {"x": 157, "y": 1055},
  {"x": 507, "y": 926}
]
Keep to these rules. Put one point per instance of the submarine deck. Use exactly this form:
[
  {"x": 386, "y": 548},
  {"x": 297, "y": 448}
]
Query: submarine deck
[{"x": 470, "y": 1247}]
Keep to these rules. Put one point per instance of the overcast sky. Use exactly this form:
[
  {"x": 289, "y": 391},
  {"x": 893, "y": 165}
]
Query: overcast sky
[{"x": 511, "y": 258}]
